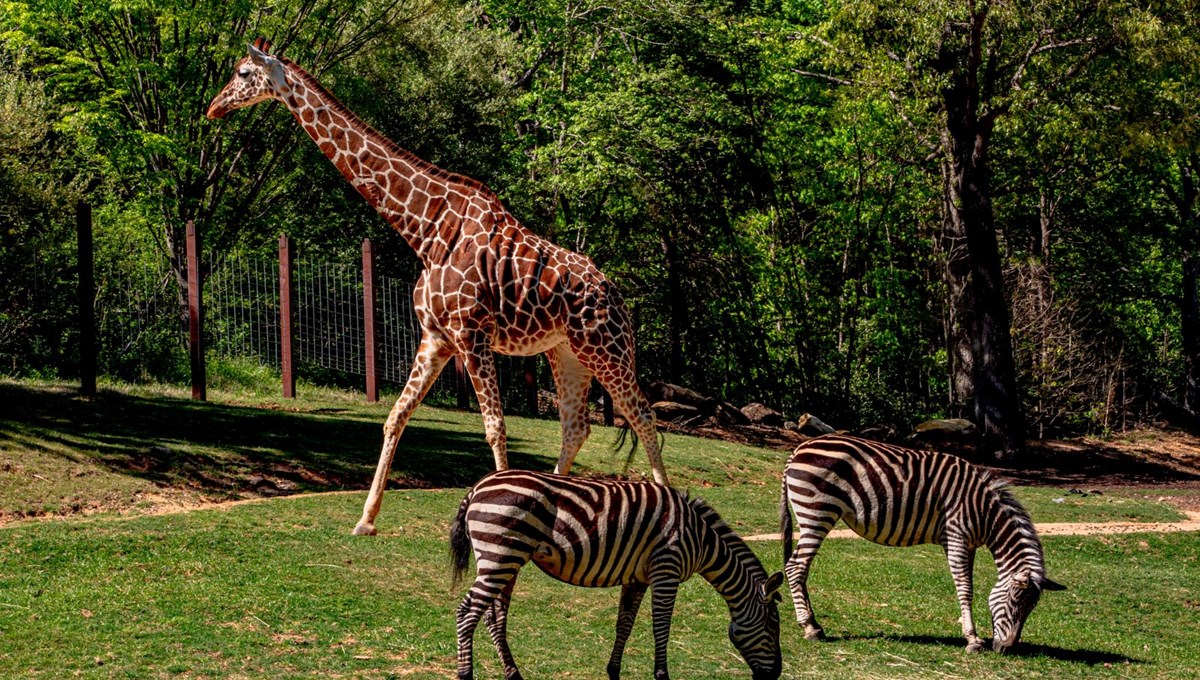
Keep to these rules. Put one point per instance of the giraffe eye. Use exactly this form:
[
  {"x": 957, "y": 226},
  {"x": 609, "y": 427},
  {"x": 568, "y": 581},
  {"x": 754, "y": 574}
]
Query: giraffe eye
[{"x": 244, "y": 73}]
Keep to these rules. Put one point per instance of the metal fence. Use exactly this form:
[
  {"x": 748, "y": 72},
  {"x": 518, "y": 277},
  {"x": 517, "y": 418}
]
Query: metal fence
[{"x": 142, "y": 325}]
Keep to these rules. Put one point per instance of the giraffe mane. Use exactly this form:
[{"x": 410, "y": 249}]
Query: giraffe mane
[{"x": 366, "y": 130}]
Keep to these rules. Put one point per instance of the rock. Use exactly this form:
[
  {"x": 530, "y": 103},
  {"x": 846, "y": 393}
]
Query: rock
[
  {"x": 762, "y": 415},
  {"x": 791, "y": 426},
  {"x": 810, "y": 424},
  {"x": 661, "y": 391},
  {"x": 944, "y": 428},
  {"x": 729, "y": 413},
  {"x": 674, "y": 412}
]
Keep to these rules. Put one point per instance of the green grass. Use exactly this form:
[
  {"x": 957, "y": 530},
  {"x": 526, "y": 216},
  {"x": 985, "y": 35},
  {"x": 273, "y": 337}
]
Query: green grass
[
  {"x": 277, "y": 589},
  {"x": 138, "y": 446}
]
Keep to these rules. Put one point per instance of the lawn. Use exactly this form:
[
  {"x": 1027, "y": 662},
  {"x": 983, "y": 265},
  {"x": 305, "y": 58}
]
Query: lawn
[{"x": 277, "y": 588}]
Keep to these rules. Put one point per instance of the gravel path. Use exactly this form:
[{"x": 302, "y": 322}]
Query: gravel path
[{"x": 1192, "y": 523}]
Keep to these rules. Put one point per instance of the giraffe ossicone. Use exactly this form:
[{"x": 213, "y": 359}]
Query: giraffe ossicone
[{"x": 488, "y": 283}]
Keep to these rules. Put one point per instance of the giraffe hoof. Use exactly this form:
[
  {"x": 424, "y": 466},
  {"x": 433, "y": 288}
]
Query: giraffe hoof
[
  {"x": 364, "y": 530},
  {"x": 814, "y": 634},
  {"x": 975, "y": 647}
]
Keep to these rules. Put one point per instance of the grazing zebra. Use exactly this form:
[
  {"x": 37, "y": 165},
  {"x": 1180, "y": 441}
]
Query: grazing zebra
[
  {"x": 606, "y": 533},
  {"x": 900, "y": 497}
]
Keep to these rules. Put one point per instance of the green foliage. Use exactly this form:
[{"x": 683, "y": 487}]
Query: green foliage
[{"x": 764, "y": 181}]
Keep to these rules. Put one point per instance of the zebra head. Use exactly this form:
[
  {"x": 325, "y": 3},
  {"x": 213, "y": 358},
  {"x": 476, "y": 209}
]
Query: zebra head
[
  {"x": 1011, "y": 602},
  {"x": 754, "y": 628}
]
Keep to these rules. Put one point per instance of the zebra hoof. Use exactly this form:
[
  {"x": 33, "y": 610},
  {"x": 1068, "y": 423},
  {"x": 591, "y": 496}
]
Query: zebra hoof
[
  {"x": 814, "y": 634},
  {"x": 975, "y": 647},
  {"x": 364, "y": 530}
]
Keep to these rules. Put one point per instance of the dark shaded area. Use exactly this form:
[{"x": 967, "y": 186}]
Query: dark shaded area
[
  {"x": 263, "y": 451},
  {"x": 1085, "y": 656}
]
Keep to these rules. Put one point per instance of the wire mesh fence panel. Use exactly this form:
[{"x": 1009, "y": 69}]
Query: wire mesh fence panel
[
  {"x": 329, "y": 317},
  {"x": 140, "y": 320},
  {"x": 141, "y": 314},
  {"x": 241, "y": 296}
]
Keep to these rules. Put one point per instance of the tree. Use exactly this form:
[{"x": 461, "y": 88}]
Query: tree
[{"x": 969, "y": 65}]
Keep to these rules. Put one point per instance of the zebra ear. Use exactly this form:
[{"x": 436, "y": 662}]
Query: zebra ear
[
  {"x": 770, "y": 588},
  {"x": 1021, "y": 580},
  {"x": 1048, "y": 584}
]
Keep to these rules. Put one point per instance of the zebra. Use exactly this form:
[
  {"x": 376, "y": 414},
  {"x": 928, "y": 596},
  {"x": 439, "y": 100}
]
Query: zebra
[
  {"x": 900, "y": 497},
  {"x": 600, "y": 533}
]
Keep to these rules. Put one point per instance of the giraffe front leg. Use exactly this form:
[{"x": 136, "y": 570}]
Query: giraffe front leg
[
  {"x": 572, "y": 381},
  {"x": 962, "y": 565},
  {"x": 481, "y": 366},
  {"x": 432, "y": 355},
  {"x": 631, "y": 601}
]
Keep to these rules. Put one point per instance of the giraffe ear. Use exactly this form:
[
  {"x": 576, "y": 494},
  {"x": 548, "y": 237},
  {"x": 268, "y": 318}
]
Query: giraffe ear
[{"x": 260, "y": 58}]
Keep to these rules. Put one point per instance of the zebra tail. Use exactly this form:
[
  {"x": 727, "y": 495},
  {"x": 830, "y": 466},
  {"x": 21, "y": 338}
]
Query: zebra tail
[
  {"x": 785, "y": 522},
  {"x": 460, "y": 543}
]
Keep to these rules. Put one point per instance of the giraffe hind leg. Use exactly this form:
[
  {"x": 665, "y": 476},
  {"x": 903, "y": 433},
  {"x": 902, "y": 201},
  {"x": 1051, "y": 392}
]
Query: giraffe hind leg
[
  {"x": 627, "y": 396},
  {"x": 481, "y": 366},
  {"x": 572, "y": 381}
]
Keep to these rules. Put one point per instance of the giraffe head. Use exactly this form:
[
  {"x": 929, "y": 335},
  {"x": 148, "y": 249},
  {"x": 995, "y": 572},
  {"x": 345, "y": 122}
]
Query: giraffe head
[{"x": 257, "y": 77}]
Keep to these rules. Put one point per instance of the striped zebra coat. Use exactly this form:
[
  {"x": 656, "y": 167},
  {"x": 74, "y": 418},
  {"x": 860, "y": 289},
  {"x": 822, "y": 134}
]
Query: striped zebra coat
[
  {"x": 899, "y": 497},
  {"x": 607, "y": 533}
]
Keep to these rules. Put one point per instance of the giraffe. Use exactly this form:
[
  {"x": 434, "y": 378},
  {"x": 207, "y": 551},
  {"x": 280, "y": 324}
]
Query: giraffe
[{"x": 488, "y": 283}]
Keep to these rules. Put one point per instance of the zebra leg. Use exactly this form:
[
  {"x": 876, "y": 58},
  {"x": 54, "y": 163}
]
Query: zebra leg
[
  {"x": 496, "y": 620},
  {"x": 813, "y": 530},
  {"x": 662, "y": 602},
  {"x": 962, "y": 564},
  {"x": 493, "y": 586},
  {"x": 631, "y": 600}
]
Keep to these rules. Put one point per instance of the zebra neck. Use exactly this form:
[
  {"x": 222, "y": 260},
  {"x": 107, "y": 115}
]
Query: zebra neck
[
  {"x": 726, "y": 565},
  {"x": 1012, "y": 538}
]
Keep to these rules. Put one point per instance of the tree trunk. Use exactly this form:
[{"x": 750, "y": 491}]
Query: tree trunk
[
  {"x": 997, "y": 409},
  {"x": 1189, "y": 331},
  {"x": 960, "y": 306},
  {"x": 677, "y": 307}
]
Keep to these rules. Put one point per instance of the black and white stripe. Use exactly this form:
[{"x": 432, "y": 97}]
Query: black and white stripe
[
  {"x": 606, "y": 533},
  {"x": 897, "y": 496}
]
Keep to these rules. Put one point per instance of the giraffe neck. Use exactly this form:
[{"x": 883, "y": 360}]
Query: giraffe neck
[{"x": 410, "y": 193}]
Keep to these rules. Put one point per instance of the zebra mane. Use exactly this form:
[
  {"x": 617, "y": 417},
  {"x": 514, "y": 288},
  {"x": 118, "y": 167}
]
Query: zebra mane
[
  {"x": 1010, "y": 511},
  {"x": 741, "y": 552}
]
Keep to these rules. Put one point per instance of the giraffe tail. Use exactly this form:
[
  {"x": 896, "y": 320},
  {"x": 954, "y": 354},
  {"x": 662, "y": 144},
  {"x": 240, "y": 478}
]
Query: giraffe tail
[
  {"x": 460, "y": 543},
  {"x": 627, "y": 432}
]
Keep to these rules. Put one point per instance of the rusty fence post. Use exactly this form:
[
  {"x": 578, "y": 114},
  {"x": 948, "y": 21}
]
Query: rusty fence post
[
  {"x": 368, "y": 257},
  {"x": 286, "y": 340},
  {"x": 195, "y": 312}
]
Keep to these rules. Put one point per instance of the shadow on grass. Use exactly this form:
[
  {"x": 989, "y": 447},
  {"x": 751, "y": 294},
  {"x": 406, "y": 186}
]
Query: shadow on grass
[
  {"x": 234, "y": 449},
  {"x": 1090, "y": 657}
]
